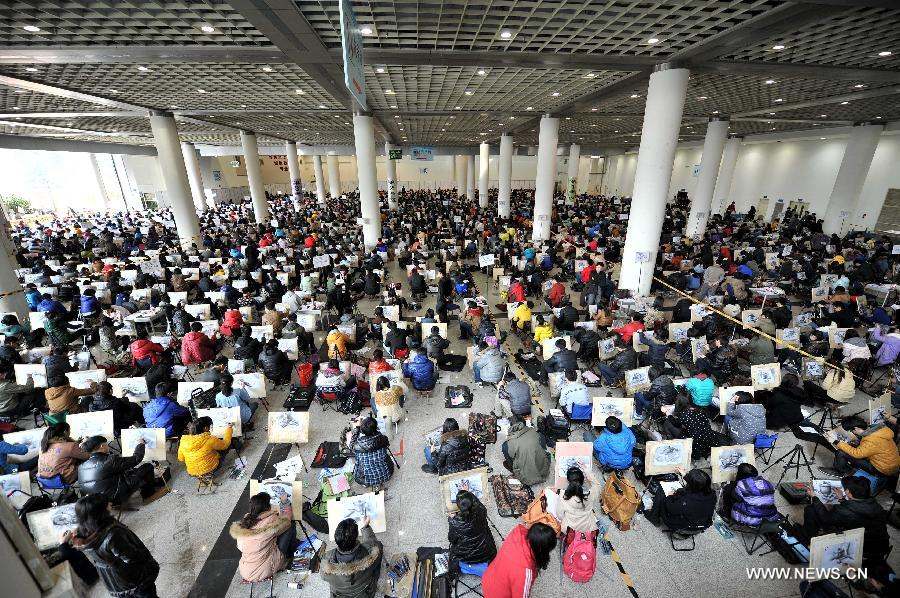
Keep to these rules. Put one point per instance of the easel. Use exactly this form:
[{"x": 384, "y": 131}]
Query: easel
[{"x": 796, "y": 458}]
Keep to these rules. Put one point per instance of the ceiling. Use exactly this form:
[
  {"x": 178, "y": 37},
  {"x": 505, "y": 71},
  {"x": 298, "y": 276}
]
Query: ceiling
[{"x": 440, "y": 72}]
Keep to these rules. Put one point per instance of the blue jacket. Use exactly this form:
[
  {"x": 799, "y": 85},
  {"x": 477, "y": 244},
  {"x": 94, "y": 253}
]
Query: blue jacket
[
  {"x": 10, "y": 449},
  {"x": 615, "y": 450},
  {"x": 33, "y": 297},
  {"x": 160, "y": 412},
  {"x": 701, "y": 390},
  {"x": 89, "y": 304},
  {"x": 420, "y": 370},
  {"x": 51, "y": 306}
]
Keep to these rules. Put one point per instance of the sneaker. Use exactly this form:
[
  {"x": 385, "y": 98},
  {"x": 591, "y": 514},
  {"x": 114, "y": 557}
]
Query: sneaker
[{"x": 427, "y": 468}]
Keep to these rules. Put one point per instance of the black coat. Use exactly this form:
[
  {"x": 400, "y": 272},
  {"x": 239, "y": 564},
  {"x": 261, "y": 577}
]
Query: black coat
[
  {"x": 123, "y": 562},
  {"x": 562, "y": 360},
  {"x": 470, "y": 539},
  {"x": 247, "y": 348},
  {"x": 57, "y": 366},
  {"x": 453, "y": 453},
  {"x": 864, "y": 513},
  {"x": 783, "y": 407},
  {"x": 104, "y": 473},
  {"x": 685, "y": 509},
  {"x": 275, "y": 364}
]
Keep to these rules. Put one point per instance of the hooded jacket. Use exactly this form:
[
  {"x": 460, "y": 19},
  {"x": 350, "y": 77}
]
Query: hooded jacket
[
  {"x": 470, "y": 539},
  {"x": 61, "y": 457},
  {"x": 747, "y": 420},
  {"x": 231, "y": 322},
  {"x": 615, "y": 450},
  {"x": 123, "y": 562},
  {"x": 453, "y": 453},
  {"x": 879, "y": 448},
  {"x": 104, "y": 473},
  {"x": 518, "y": 394},
  {"x": 260, "y": 556},
  {"x": 530, "y": 462},
  {"x": 64, "y": 398},
  {"x": 420, "y": 370},
  {"x": 754, "y": 501},
  {"x": 143, "y": 348},
  {"x": 512, "y": 573},
  {"x": 354, "y": 574},
  {"x": 160, "y": 412},
  {"x": 200, "y": 451},
  {"x": 196, "y": 347}
]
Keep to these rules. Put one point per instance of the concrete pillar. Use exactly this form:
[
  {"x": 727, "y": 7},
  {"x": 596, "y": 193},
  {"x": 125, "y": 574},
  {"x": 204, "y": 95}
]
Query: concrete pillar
[
  {"x": 545, "y": 177},
  {"x": 192, "y": 165},
  {"x": 12, "y": 295},
  {"x": 391, "y": 177},
  {"x": 593, "y": 175},
  {"x": 290, "y": 150},
  {"x": 572, "y": 173},
  {"x": 334, "y": 175},
  {"x": 320, "y": 179},
  {"x": 504, "y": 187},
  {"x": 452, "y": 170},
  {"x": 364, "y": 136},
  {"x": 470, "y": 177},
  {"x": 844, "y": 200},
  {"x": 722, "y": 195},
  {"x": 460, "y": 175},
  {"x": 178, "y": 190},
  {"x": 701, "y": 202},
  {"x": 653, "y": 174},
  {"x": 254, "y": 177},
  {"x": 609, "y": 179},
  {"x": 484, "y": 162}
]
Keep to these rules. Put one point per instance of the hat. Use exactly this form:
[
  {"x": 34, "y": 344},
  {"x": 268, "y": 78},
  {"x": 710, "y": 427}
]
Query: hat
[{"x": 93, "y": 442}]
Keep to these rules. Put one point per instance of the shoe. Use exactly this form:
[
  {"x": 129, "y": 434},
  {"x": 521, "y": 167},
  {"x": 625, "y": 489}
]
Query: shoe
[
  {"x": 429, "y": 468},
  {"x": 160, "y": 492}
]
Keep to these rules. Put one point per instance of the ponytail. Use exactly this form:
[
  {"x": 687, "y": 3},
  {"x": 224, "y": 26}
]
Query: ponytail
[{"x": 259, "y": 504}]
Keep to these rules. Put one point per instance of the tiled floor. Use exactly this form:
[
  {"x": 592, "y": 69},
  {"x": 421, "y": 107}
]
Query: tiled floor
[{"x": 182, "y": 528}]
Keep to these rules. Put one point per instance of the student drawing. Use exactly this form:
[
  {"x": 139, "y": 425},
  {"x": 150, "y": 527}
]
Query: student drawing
[
  {"x": 30, "y": 438},
  {"x": 637, "y": 379},
  {"x": 370, "y": 504},
  {"x": 84, "y": 378},
  {"x": 572, "y": 454},
  {"x": 813, "y": 369},
  {"x": 288, "y": 426},
  {"x": 830, "y": 492},
  {"x": 666, "y": 456},
  {"x": 154, "y": 442},
  {"x": 95, "y": 423},
  {"x": 765, "y": 376},
  {"x": 133, "y": 389},
  {"x": 49, "y": 524},
  {"x": 837, "y": 551},
  {"x": 221, "y": 417},
  {"x": 725, "y": 461},
  {"x": 620, "y": 407},
  {"x": 879, "y": 407},
  {"x": 473, "y": 480},
  {"x": 254, "y": 384},
  {"x": 15, "y": 482}
]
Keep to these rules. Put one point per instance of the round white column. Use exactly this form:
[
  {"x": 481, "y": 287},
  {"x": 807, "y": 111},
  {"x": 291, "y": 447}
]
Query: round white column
[
  {"x": 290, "y": 150},
  {"x": 572, "y": 173},
  {"x": 12, "y": 295},
  {"x": 593, "y": 172},
  {"x": 504, "y": 188},
  {"x": 460, "y": 176},
  {"x": 391, "y": 177},
  {"x": 726, "y": 174},
  {"x": 452, "y": 170},
  {"x": 609, "y": 179},
  {"x": 320, "y": 178},
  {"x": 254, "y": 177},
  {"x": 470, "y": 177},
  {"x": 842, "y": 204},
  {"x": 192, "y": 165},
  {"x": 178, "y": 190},
  {"x": 653, "y": 173},
  {"x": 701, "y": 202},
  {"x": 545, "y": 177},
  {"x": 484, "y": 163},
  {"x": 334, "y": 175},
  {"x": 364, "y": 136}
]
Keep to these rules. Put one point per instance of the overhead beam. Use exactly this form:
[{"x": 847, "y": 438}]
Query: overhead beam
[
  {"x": 26, "y": 142},
  {"x": 73, "y": 130},
  {"x": 67, "y": 115},
  {"x": 140, "y": 54},
  {"x": 847, "y": 97},
  {"x": 556, "y": 60},
  {"x": 800, "y": 71}
]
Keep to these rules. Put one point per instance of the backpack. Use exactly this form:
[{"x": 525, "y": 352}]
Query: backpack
[
  {"x": 580, "y": 558},
  {"x": 458, "y": 396},
  {"x": 349, "y": 402},
  {"x": 305, "y": 373},
  {"x": 553, "y": 428},
  {"x": 537, "y": 513},
  {"x": 620, "y": 500},
  {"x": 483, "y": 426},
  {"x": 328, "y": 455},
  {"x": 511, "y": 502}
]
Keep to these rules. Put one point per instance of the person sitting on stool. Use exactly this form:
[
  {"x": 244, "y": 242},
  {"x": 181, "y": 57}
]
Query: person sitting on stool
[{"x": 118, "y": 477}]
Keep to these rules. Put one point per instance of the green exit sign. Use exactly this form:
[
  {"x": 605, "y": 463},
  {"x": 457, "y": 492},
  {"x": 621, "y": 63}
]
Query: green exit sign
[{"x": 395, "y": 154}]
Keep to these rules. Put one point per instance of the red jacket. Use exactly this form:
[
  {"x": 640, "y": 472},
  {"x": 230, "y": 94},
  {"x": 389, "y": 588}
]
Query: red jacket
[
  {"x": 516, "y": 292},
  {"x": 196, "y": 347},
  {"x": 628, "y": 330},
  {"x": 143, "y": 348},
  {"x": 513, "y": 571},
  {"x": 586, "y": 273},
  {"x": 557, "y": 291},
  {"x": 231, "y": 323}
]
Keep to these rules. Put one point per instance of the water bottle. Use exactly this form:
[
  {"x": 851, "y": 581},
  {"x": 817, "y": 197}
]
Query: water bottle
[{"x": 722, "y": 528}]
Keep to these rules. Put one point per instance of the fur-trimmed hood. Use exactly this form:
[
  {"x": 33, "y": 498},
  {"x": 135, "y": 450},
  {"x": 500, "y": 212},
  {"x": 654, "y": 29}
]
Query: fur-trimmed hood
[
  {"x": 268, "y": 522},
  {"x": 453, "y": 434},
  {"x": 354, "y": 567}
]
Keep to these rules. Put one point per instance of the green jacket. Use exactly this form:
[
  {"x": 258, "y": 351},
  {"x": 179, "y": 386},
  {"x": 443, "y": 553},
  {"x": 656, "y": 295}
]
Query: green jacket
[
  {"x": 354, "y": 574},
  {"x": 530, "y": 461}
]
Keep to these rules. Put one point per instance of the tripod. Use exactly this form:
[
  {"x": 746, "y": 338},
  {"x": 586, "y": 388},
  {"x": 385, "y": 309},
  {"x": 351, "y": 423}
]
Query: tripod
[{"x": 796, "y": 458}]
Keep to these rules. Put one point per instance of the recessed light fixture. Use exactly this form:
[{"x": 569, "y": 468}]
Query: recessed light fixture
[
  {"x": 482, "y": 72},
  {"x": 207, "y": 29},
  {"x": 299, "y": 92},
  {"x": 174, "y": 107},
  {"x": 113, "y": 91},
  {"x": 779, "y": 100},
  {"x": 770, "y": 81},
  {"x": 715, "y": 111},
  {"x": 506, "y": 34},
  {"x": 879, "y": 117},
  {"x": 529, "y": 108},
  {"x": 389, "y": 92},
  {"x": 594, "y": 109},
  {"x": 555, "y": 94},
  {"x": 142, "y": 68},
  {"x": 267, "y": 69},
  {"x": 590, "y": 76},
  {"x": 31, "y": 28},
  {"x": 823, "y": 116},
  {"x": 771, "y": 114},
  {"x": 512, "y": 118},
  {"x": 702, "y": 97},
  {"x": 396, "y": 116},
  {"x": 16, "y": 108},
  {"x": 469, "y": 92},
  {"x": 885, "y": 53},
  {"x": 379, "y": 69},
  {"x": 859, "y": 85},
  {"x": 844, "y": 103},
  {"x": 201, "y": 91},
  {"x": 778, "y": 47},
  {"x": 31, "y": 69},
  {"x": 616, "y": 131},
  {"x": 653, "y": 40},
  {"x": 322, "y": 106},
  {"x": 634, "y": 95},
  {"x": 365, "y": 30}
]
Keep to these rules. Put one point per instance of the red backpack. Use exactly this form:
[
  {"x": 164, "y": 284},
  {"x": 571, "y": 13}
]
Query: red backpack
[{"x": 580, "y": 558}]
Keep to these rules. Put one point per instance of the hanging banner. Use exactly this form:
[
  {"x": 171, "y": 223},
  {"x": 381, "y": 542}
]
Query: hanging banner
[
  {"x": 395, "y": 154},
  {"x": 425, "y": 154},
  {"x": 352, "y": 50}
]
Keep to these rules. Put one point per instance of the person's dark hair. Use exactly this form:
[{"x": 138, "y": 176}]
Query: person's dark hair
[
  {"x": 203, "y": 424},
  {"x": 698, "y": 481},
  {"x": 60, "y": 430},
  {"x": 383, "y": 383},
  {"x": 571, "y": 375},
  {"x": 560, "y": 343},
  {"x": 226, "y": 382},
  {"x": 746, "y": 470},
  {"x": 465, "y": 502},
  {"x": 542, "y": 540},
  {"x": 853, "y": 421},
  {"x": 259, "y": 504},
  {"x": 377, "y": 355},
  {"x": 857, "y": 486},
  {"x": 368, "y": 426},
  {"x": 742, "y": 396},
  {"x": 346, "y": 535},
  {"x": 92, "y": 515},
  {"x": 613, "y": 424},
  {"x": 196, "y": 326},
  {"x": 450, "y": 425},
  {"x": 575, "y": 479},
  {"x": 334, "y": 364}
]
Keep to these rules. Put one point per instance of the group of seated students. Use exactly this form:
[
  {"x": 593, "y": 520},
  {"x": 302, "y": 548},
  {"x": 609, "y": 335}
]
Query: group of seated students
[{"x": 564, "y": 289}]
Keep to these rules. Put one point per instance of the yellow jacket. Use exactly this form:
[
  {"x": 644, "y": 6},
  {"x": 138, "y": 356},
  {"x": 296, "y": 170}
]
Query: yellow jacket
[
  {"x": 198, "y": 451},
  {"x": 879, "y": 448},
  {"x": 337, "y": 344},
  {"x": 542, "y": 333},
  {"x": 522, "y": 315}
]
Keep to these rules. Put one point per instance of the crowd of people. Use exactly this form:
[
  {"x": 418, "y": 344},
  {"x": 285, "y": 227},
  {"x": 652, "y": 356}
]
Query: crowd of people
[{"x": 801, "y": 321}]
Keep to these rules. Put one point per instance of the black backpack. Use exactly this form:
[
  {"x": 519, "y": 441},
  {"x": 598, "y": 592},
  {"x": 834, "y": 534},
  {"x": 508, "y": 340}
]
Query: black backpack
[
  {"x": 554, "y": 428},
  {"x": 458, "y": 397}
]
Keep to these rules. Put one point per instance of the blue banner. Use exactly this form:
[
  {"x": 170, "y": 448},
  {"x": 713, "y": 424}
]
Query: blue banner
[{"x": 425, "y": 154}]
